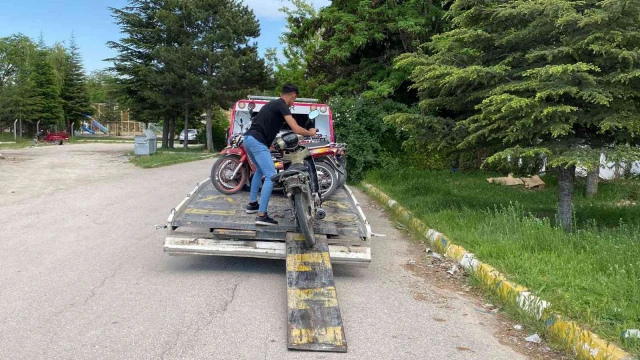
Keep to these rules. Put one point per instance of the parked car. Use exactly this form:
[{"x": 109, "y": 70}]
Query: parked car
[{"x": 192, "y": 136}]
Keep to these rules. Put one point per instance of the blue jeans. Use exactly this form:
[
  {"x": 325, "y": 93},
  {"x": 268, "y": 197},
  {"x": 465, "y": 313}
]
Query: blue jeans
[{"x": 261, "y": 157}]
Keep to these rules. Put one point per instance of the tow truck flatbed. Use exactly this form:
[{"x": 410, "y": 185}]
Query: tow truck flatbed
[{"x": 207, "y": 222}]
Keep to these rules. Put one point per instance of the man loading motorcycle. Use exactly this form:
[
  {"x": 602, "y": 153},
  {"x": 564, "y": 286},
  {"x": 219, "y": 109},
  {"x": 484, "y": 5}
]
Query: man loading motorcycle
[{"x": 257, "y": 140}]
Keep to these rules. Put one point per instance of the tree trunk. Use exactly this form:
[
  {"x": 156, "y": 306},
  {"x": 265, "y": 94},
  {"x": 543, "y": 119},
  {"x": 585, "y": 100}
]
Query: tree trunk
[
  {"x": 172, "y": 132},
  {"x": 617, "y": 172},
  {"x": 186, "y": 127},
  {"x": 165, "y": 131},
  {"x": 566, "y": 179},
  {"x": 592, "y": 182},
  {"x": 628, "y": 170},
  {"x": 208, "y": 126}
]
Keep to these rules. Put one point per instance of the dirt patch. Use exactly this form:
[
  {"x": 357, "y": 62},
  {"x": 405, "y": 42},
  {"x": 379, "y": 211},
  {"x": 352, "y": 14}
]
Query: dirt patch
[
  {"x": 445, "y": 274},
  {"x": 37, "y": 171}
]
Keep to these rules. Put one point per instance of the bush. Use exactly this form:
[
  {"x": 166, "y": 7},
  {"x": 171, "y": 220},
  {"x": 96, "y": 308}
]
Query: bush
[
  {"x": 370, "y": 141},
  {"x": 219, "y": 126}
]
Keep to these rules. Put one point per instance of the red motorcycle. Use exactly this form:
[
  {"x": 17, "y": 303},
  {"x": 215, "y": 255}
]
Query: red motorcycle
[{"x": 233, "y": 170}]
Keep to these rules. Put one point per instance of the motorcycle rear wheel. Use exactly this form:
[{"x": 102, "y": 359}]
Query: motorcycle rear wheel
[
  {"x": 328, "y": 179},
  {"x": 303, "y": 215},
  {"x": 221, "y": 172}
]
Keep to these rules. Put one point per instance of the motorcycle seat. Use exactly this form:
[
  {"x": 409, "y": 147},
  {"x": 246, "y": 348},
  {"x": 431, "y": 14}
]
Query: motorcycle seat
[{"x": 292, "y": 170}]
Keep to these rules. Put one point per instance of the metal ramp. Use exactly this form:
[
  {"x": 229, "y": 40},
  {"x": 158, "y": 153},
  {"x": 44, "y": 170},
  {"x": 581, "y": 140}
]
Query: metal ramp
[
  {"x": 209, "y": 223},
  {"x": 314, "y": 319}
]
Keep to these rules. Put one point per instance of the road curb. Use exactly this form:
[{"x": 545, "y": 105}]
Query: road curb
[{"x": 583, "y": 343}]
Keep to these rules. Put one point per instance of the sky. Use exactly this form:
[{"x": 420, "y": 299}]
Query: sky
[{"x": 92, "y": 24}]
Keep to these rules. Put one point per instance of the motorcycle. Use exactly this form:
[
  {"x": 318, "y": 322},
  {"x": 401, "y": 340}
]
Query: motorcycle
[
  {"x": 330, "y": 162},
  {"x": 300, "y": 182},
  {"x": 232, "y": 171}
]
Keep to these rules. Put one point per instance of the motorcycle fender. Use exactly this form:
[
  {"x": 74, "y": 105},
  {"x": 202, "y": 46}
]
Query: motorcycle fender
[
  {"x": 244, "y": 158},
  {"x": 334, "y": 164},
  {"x": 233, "y": 151}
]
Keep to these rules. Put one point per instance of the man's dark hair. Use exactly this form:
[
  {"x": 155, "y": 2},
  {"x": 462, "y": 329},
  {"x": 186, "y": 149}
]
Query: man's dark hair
[{"x": 290, "y": 88}]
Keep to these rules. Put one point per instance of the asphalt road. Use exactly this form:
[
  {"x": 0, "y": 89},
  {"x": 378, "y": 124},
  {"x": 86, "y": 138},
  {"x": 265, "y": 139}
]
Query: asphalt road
[{"x": 83, "y": 276}]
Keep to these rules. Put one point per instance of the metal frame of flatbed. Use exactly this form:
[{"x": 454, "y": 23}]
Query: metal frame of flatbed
[{"x": 348, "y": 250}]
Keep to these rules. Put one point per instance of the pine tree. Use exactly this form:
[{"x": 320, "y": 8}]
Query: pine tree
[
  {"x": 230, "y": 64},
  {"x": 45, "y": 102},
  {"x": 75, "y": 95},
  {"x": 349, "y": 46},
  {"x": 557, "y": 78},
  {"x": 145, "y": 82}
]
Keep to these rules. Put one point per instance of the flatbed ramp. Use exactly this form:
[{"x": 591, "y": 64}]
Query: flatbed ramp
[
  {"x": 207, "y": 222},
  {"x": 314, "y": 320}
]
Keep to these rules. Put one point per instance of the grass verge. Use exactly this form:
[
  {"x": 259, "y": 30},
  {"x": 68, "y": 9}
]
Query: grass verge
[
  {"x": 10, "y": 144},
  {"x": 591, "y": 276},
  {"x": 86, "y": 139},
  {"x": 165, "y": 157}
]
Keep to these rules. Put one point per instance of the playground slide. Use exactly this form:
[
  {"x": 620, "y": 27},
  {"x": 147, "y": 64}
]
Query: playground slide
[
  {"x": 85, "y": 128},
  {"x": 98, "y": 125}
]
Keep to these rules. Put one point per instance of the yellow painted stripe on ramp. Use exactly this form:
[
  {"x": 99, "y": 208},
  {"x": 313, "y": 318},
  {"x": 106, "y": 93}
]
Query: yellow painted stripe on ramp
[
  {"x": 329, "y": 335},
  {"x": 298, "y": 297}
]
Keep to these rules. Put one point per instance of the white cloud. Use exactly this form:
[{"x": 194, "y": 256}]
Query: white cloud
[{"x": 268, "y": 9}]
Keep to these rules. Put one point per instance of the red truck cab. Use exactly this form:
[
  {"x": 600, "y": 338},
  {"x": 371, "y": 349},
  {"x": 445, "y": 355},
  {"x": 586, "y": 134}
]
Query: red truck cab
[{"x": 245, "y": 110}]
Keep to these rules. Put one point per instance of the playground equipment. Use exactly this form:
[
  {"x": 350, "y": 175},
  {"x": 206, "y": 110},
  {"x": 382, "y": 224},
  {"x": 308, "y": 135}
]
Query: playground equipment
[
  {"x": 98, "y": 125},
  {"x": 87, "y": 129}
]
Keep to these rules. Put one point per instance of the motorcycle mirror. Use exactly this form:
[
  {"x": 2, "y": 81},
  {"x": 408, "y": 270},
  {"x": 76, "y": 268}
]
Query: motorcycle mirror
[{"x": 314, "y": 114}]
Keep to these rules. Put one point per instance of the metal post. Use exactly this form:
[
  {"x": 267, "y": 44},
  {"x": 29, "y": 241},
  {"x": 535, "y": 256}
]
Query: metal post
[
  {"x": 15, "y": 130},
  {"x": 38, "y": 128},
  {"x": 20, "y": 127},
  {"x": 72, "y": 124}
]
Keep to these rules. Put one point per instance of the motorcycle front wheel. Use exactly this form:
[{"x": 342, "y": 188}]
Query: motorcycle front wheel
[
  {"x": 222, "y": 175},
  {"x": 303, "y": 215}
]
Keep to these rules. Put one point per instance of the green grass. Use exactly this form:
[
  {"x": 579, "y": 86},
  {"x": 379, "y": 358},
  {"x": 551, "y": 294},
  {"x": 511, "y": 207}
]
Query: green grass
[
  {"x": 193, "y": 148},
  {"x": 591, "y": 276},
  {"x": 85, "y": 139},
  {"x": 8, "y": 143},
  {"x": 165, "y": 157}
]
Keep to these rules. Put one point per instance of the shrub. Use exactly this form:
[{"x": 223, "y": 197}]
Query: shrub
[{"x": 359, "y": 123}]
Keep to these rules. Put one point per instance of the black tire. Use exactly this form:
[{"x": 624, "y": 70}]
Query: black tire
[
  {"x": 327, "y": 179},
  {"x": 60, "y": 142},
  {"x": 303, "y": 215},
  {"x": 225, "y": 185},
  {"x": 342, "y": 178}
]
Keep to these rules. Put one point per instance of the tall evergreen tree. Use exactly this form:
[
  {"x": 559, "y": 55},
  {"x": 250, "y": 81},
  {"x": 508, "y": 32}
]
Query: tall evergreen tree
[
  {"x": 229, "y": 63},
  {"x": 557, "y": 78},
  {"x": 350, "y": 45},
  {"x": 179, "y": 57},
  {"x": 146, "y": 83},
  {"x": 46, "y": 104},
  {"x": 75, "y": 95}
]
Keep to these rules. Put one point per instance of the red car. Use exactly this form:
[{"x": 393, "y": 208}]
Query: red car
[{"x": 58, "y": 138}]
